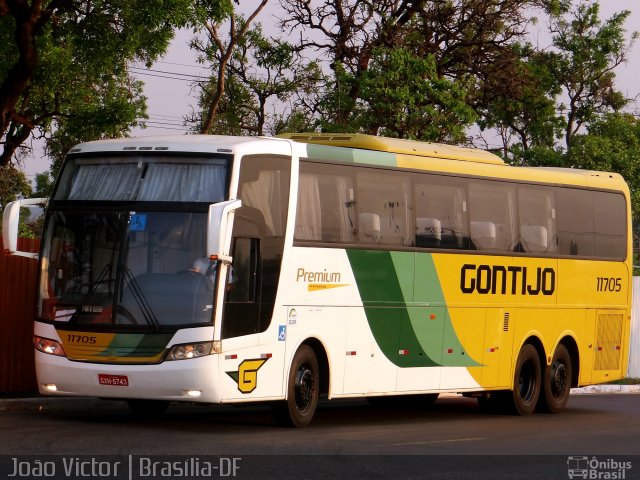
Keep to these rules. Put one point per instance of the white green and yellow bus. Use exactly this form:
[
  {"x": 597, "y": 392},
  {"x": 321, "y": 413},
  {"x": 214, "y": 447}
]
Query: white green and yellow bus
[{"x": 240, "y": 269}]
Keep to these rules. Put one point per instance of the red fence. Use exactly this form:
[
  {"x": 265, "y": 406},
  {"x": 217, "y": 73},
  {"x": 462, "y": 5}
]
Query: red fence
[{"x": 18, "y": 277}]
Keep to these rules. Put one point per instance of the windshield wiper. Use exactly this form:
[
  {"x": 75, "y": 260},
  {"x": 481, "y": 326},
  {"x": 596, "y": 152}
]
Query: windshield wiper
[
  {"x": 84, "y": 301},
  {"x": 141, "y": 300}
]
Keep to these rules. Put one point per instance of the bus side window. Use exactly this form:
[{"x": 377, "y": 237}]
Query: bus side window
[
  {"x": 326, "y": 204},
  {"x": 242, "y": 274},
  {"x": 492, "y": 216},
  {"x": 242, "y": 299},
  {"x": 610, "y": 225},
  {"x": 385, "y": 208},
  {"x": 575, "y": 221},
  {"x": 537, "y": 214},
  {"x": 440, "y": 210}
]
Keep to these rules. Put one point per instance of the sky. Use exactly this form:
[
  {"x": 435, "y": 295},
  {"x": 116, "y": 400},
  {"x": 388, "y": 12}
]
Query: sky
[{"x": 171, "y": 97}]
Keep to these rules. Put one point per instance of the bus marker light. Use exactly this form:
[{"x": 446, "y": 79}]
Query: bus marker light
[
  {"x": 351, "y": 353},
  {"x": 233, "y": 356},
  {"x": 266, "y": 355},
  {"x": 403, "y": 352},
  {"x": 193, "y": 393},
  {"x": 50, "y": 387},
  {"x": 432, "y": 316},
  {"x": 449, "y": 350}
]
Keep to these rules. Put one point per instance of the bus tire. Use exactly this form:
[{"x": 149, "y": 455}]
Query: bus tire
[
  {"x": 303, "y": 390},
  {"x": 557, "y": 382},
  {"x": 526, "y": 383},
  {"x": 148, "y": 408}
]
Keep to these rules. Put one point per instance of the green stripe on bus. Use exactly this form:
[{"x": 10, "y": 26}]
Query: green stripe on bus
[
  {"x": 137, "y": 345},
  {"x": 349, "y": 156},
  {"x": 405, "y": 308}
]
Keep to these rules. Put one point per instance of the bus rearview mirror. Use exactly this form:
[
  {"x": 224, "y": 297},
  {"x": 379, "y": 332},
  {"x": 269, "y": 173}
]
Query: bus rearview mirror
[
  {"x": 219, "y": 227},
  {"x": 10, "y": 222}
]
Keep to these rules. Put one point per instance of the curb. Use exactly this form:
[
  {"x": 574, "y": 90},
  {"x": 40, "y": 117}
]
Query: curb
[{"x": 606, "y": 389}]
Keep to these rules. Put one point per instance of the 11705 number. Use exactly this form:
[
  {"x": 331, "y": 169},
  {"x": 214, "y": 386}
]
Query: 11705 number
[{"x": 609, "y": 284}]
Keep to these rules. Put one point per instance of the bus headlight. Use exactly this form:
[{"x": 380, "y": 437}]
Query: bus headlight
[
  {"x": 46, "y": 345},
  {"x": 190, "y": 350}
]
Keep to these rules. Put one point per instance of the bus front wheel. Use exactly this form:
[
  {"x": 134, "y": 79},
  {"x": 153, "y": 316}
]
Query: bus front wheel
[
  {"x": 527, "y": 380},
  {"x": 302, "y": 390},
  {"x": 557, "y": 382}
]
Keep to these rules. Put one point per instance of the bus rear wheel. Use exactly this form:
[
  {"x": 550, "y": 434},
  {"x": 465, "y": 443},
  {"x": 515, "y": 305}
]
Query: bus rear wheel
[
  {"x": 557, "y": 382},
  {"x": 302, "y": 391},
  {"x": 527, "y": 380}
]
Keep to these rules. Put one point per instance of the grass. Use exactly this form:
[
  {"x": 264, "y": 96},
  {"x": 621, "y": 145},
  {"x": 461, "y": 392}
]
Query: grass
[{"x": 626, "y": 381}]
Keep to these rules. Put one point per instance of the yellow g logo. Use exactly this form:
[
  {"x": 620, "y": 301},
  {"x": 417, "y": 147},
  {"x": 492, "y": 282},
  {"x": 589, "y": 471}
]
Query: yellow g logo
[{"x": 247, "y": 375}]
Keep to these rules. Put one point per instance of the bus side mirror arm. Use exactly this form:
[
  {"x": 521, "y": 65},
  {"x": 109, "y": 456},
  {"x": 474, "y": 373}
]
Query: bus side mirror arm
[
  {"x": 219, "y": 227},
  {"x": 10, "y": 222}
]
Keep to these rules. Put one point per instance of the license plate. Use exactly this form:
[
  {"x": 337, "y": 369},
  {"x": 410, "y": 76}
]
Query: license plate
[{"x": 115, "y": 380}]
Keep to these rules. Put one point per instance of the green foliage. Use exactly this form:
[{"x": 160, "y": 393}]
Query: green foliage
[
  {"x": 79, "y": 88},
  {"x": 401, "y": 95},
  {"x": 522, "y": 106},
  {"x": 26, "y": 227},
  {"x": 210, "y": 10},
  {"x": 587, "y": 51},
  {"x": 259, "y": 72},
  {"x": 44, "y": 185},
  {"x": 13, "y": 185},
  {"x": 612, "y": 144}
]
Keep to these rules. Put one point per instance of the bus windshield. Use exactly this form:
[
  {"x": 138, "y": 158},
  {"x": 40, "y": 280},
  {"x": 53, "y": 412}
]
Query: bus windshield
[
  {"x": 125, "y": 242},
  {"x": 144, "y": 179},
  {"x": 145, "y": 269}
]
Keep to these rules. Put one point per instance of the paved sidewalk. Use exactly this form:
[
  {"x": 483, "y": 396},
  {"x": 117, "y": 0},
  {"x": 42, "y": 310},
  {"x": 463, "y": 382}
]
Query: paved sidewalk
[{"x": 606, "y": 389}]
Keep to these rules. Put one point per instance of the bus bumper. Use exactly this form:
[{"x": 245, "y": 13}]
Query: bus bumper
[{"x": 192, "y": 380}]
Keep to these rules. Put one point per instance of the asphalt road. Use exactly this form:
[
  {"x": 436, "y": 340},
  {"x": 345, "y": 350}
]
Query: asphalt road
[{"x": 348, "y": 439}]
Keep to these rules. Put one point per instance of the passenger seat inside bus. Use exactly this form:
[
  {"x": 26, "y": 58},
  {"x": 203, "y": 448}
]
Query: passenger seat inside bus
[
  {"x": 370, "y": 227},
  {"x": 534, "y": 238},
  {"x": 428, "y": 232},
  {"x": 483, "y": 235}
]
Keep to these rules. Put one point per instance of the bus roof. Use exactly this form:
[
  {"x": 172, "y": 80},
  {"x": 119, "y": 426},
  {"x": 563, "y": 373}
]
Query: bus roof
[
  {"x": 396, "y": 145},
  {"x": 171, "y": 143},
  {"x": 353, "y": 148},
  {"x": 410, "y": 154}
]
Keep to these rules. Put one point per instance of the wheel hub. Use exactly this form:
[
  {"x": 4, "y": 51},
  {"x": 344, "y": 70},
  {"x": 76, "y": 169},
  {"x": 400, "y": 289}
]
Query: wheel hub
[{"x": 304, "y": 388}]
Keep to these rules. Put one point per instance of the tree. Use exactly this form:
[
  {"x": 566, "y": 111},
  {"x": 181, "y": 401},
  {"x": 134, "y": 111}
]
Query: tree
[
  {"x": 611, "y": 144},
  {"x": 520, "y": 104},
  {"x": 219, "y": 53},
  {"x": 470, "y": 42},
  {"x": 261, "y": 72},
  {"x": 13, "y": 184},
  {"x": 44, "y": 185},
  {"x": 345, "y": 33},
  {"x": 401, "y": 95},
  {"x": 587, "y": 51},
  {"x": 57, "y": 54}
]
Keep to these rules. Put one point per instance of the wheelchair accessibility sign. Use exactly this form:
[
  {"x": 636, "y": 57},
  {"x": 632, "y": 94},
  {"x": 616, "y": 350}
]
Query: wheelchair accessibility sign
[{"x": 282, "y": 333}]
